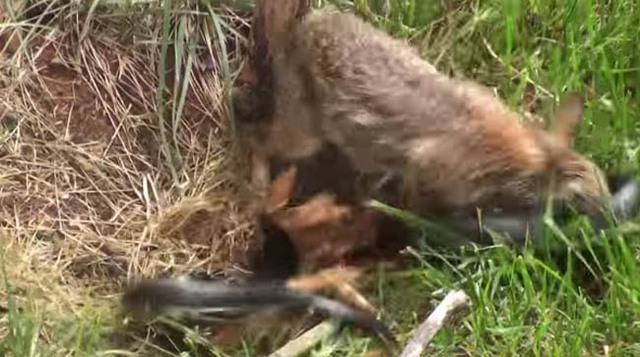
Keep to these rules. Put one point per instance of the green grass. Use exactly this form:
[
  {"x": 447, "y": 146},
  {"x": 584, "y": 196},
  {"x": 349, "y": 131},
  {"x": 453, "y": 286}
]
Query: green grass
[
  {"x": 32, "y": 333},
  {"x": 579, "y": 302},
  {"x": 36, "y": 320}
]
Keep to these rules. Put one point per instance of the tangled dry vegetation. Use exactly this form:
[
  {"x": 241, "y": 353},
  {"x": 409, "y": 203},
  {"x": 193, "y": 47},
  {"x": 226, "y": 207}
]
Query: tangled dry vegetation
[{"x": 109, "y": 170}]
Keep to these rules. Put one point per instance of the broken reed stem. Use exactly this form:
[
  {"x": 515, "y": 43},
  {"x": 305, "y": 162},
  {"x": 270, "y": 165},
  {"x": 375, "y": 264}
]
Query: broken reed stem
[
  {"x": 307, "y": 340},
  {"x": 452, "y": 304}
]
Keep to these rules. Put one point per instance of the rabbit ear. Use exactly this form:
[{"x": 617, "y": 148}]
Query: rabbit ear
[{"x": 566, "y": 119}]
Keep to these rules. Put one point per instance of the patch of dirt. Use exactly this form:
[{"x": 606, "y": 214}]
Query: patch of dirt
[
  {"x": 73, "y": 105},
  {"x": 62, "y": 94},
  {"x": 207, "y": 225},
  {"x": 22, "y": 205}
]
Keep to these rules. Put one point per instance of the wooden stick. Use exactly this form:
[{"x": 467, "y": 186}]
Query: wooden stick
[
  {"x": 455, "y": 302},
  {"x": 304, "y": 342}
]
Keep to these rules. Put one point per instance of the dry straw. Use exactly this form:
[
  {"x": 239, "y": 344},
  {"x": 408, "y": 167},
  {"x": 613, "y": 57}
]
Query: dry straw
[{"x": 108, "y": 170}]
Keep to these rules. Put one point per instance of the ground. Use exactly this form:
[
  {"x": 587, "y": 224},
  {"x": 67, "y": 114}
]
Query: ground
[{"x": 110, "y": 171}]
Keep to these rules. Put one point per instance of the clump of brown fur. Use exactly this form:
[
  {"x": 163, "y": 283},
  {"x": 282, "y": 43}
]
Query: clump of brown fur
[{"x": 448, "y": 144}]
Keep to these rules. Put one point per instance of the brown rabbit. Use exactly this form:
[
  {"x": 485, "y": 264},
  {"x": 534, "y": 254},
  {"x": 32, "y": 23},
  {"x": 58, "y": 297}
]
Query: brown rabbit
[{"x": 447, "y": 144}]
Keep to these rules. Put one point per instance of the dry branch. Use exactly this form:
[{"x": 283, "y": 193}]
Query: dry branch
[
  {"x": 452, "y": 304},
  {"x": 305, "y": 341}
]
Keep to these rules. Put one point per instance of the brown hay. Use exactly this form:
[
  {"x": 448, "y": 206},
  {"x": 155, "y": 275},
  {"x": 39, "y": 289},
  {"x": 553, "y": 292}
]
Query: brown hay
[{"x": 81, "y": 171}]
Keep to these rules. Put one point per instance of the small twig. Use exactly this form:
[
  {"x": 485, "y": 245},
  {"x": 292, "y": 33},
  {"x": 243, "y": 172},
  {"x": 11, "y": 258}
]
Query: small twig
[
  {"x": 305, "y": 341},
  {"x": 452, "y": 304}
]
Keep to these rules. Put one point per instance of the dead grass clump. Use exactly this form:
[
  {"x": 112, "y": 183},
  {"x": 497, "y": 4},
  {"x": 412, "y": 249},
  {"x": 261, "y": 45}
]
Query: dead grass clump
[{"x": 116, "y": 171}]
